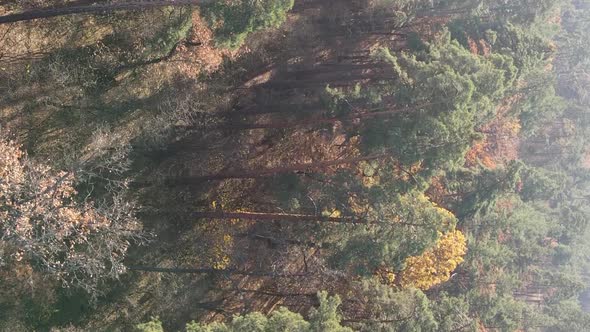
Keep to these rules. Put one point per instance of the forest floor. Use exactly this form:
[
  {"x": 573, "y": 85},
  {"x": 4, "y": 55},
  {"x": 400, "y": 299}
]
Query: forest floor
[{"x": 203, "y": 151}]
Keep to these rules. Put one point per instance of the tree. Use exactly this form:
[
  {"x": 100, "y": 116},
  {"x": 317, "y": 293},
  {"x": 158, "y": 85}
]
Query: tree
[
  {"x": 541, "y": 104},
  {"x": 499, "y": 312},
  {"x": 154, "y": 325},
  {"x": 452, "y": 313},
  {"x": 522, "y": 11},
  {"x": 325, "y": 318},
  {"x": 380, "y": 307},
  {"x": 233, "y": 21},
  {"x": 435, "y": 265},
  {"x": 568, "y": 316},
  {"x": 541, "y": 184},
  {"x": 34, "y": 14},
  {"x": 403, "y": 226},
  {"x": 452, "y": 90},
  {"x": 476, "y": 191},
  {"x": 47, "y": 225}
]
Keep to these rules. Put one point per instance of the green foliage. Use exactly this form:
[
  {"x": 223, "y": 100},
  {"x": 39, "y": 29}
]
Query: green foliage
[
  {"x": 339, "y": 102},
  {"x": 573, "y": 221},
  {"x": 568, "y": 317},
  {"x": 530, "y": 47},
  {"x": 452, "y": 92},
  {"x": 280, "y": 320},
  {"x": 541, "y": 184},
  {"x": 415, "y": 43},
  {"x": 325, "y": 318},
  {"x": 232, "y": 21},
  {"x": 399, "y": 226},
  {"x": 289, "y": 191},
  {"x": 452, "y": 313},
  {"x": 479, "y": 188},
  {"x": 92, "y": 68},
  {"x": 502, "y": 312},
  {"x": 521, "y": 11},
  {"x": 154, "y": 325},
  {"x": 284, "y": 320},
  {"x": 566, "y": 283},
  {"x": 395, "y": 310},
  {"x": 541, "y": 104},
  {"x": 176, "y": 29}
]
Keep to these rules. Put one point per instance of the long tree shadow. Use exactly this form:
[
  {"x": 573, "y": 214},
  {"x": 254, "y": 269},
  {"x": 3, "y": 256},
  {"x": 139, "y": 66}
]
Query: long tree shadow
[
  {"x": 74, "y": 85},
  {"x": 274, "y": 74},
  {"x": 298, "y": 69}
]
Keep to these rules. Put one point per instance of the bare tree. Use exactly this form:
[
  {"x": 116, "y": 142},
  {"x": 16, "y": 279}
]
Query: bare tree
[{"x": 48, "y": 225}]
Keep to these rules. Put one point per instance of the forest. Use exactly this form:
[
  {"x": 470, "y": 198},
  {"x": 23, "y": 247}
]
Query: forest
[{"x": 294, "y": 165}]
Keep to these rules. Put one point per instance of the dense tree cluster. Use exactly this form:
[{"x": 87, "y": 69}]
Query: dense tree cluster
[{"x": 390, "y": 165}]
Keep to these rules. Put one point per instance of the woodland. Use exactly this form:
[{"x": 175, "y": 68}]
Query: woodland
[{"x": 294, "y": 165}]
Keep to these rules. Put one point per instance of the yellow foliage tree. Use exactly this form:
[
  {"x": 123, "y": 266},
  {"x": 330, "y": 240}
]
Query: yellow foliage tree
[{"x": 434, "y": 266}]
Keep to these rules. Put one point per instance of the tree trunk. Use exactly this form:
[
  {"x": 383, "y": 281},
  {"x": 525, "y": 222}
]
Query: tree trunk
[
  {"x": 179, "y": 270},
  {"x": 255, "y": 110},
  {"x": 291, "y": 217},
  {"x": 263, "y": 216},
  {"x": 336, "y": 81},
  {"x": 278, "y": 294},
  {"x": 311, "y": 122},
  {"x": 329, "y": 68},
  {"x": 373, "y": 320},
  {"x": 253, "y": 174},
  {"x": 34, "y": 14},
  {"x": 273, "y": 242}
]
